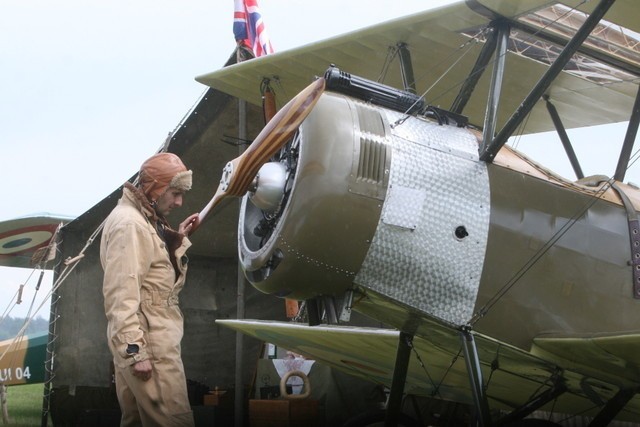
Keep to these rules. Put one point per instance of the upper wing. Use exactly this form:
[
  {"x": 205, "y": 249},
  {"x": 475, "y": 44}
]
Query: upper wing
[
  {"x": 443, "y": 56},
  {"x": 21, "y": 238},
  {"x": 625, "y": 12},
  {"x": 437, "y": 368}
]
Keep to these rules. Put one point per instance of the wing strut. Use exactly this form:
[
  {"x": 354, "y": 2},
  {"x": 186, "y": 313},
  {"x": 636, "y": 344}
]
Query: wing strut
[
  {"x": 394, "y": 405},
  {"x": 562, "y": 133},
  {"x": 476, "y": 72},
  {"x": 474, "y": 370},
  {"x": 630, "y": 137},
  {"x": 489, "y": 153},
  {"x": 613, "y": 407},
  {"x": 557, "y": 388},
  {"x": 406, "y": 68},
  {"x": 490, "y": 118}
]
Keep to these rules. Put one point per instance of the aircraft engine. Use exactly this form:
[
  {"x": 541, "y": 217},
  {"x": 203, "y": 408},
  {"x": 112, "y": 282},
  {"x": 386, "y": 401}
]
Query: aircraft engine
[{"x": 365, "y": 195}]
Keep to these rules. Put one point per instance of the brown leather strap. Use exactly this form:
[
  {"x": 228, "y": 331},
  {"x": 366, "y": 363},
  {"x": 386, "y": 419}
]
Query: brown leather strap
[{"x": 634, "y": 237}]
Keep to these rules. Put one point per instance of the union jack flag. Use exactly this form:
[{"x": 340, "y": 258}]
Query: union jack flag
[{"x": 249, "y": 29}]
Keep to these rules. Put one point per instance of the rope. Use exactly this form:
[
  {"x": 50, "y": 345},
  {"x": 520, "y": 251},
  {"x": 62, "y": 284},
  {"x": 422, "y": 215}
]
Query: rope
[
  {"x": 17, "y": 298},
  {"x": 71, "y": 264}
]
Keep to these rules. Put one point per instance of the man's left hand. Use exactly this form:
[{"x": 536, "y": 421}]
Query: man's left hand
[{"x": 143, "y": 369}]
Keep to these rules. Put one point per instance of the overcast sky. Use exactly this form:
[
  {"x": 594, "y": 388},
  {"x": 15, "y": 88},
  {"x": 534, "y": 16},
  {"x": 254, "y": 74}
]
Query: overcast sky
[{"x": 90, "y": 89}]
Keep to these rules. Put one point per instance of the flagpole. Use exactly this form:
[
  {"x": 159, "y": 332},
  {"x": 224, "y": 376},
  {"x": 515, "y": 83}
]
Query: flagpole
[
  {"x": 240, "y": 297},
  {"x": 252, "y": 38}
]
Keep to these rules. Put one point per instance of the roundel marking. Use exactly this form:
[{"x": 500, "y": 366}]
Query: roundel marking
[{"x": 25, "y": 239}]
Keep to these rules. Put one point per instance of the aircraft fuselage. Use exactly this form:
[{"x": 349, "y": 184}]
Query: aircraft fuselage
[{"x": 401, "y": 211}]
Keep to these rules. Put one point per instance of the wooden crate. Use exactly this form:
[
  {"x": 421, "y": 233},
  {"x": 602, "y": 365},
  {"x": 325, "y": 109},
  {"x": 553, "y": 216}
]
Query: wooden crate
[
  {"x": 223, "y": 399},
  {"x": 283, "y": 413}
]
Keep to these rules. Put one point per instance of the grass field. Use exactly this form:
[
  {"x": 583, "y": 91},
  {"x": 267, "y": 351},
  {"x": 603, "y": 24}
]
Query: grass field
[{"x": 25, "y": 405}]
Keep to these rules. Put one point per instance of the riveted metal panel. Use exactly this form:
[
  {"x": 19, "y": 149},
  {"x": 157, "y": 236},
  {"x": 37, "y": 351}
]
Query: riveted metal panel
[
  {"x": 429, "y": 247},
  {"x": 404, "y": 206}
]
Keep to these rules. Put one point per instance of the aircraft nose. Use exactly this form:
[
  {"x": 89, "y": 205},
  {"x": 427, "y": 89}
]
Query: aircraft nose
[{"x": 326, "y": 197}]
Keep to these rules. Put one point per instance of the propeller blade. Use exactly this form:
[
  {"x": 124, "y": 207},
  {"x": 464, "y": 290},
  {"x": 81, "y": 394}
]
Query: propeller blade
[{"x": 240, "y": 172}]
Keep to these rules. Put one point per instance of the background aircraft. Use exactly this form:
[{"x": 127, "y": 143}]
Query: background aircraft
[
  {"x": 27, "y": 242},
  {"x": 23, "y": 359}
]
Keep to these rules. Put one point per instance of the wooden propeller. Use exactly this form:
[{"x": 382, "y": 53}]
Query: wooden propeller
[{"x": 238, "y": 174}]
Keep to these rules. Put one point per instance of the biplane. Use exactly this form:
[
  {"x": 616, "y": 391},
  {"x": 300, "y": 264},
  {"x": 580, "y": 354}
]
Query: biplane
[
  {"x": 26, "y": 242},
  {"x": 386, "y": 187}
]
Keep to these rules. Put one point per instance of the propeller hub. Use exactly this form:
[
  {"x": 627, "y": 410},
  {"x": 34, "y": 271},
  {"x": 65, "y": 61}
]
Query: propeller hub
[
  {"x": 227, "y": 173},
  {"x": 267, "y": 189}
]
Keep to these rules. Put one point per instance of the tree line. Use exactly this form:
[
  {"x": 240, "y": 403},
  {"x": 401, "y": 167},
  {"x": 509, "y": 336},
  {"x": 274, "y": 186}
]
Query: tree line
[{"x": 10, "y": 326}]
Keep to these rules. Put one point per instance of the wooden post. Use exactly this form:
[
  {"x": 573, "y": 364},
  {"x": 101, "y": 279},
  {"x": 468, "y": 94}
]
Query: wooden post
[{"x": 3, "y": 404}]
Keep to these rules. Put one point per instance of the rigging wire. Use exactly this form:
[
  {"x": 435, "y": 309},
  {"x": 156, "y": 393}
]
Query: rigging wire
[
  {"x": 453, "y": 362},
  {"x": 15, "y": 300},
  {"x": 19, "y": 337},
  {"x": 532, "y": 261},
  {"x": 422, "y": 364},
  {"x": 51, "y": 246},
  {"x": 165, "y": 144},
  {"x": 551, "y": 242},
  {"x": 597, "y": 196},
  {"x": 392, "y": 52},
  {"x": 526, "y": 40},
  {"x": 495, "y": 365},
  {"x": 560, "y": 233},
  {"x": 70, "y": 265},
  {"x": 521, "y": 127},
  {"x": 468, "y": 45},
  {"x": 17, "y": 340},
  {"x": 634, "y": 158},
  {"x": 476, "y": 38},
  {"x": 9, "y": 307}
]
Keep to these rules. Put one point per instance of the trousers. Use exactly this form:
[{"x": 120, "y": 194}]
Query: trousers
[{"x": 162, "y": 401}]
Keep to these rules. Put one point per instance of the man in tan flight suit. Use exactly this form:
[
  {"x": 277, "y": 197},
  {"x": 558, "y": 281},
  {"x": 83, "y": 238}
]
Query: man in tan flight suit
[{"x": 144, "y": 266}]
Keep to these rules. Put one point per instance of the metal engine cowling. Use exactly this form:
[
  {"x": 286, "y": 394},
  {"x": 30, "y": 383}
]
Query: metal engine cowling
[
  {"x": 396, "y": 204},
  {"x": 338, "y": 166}
]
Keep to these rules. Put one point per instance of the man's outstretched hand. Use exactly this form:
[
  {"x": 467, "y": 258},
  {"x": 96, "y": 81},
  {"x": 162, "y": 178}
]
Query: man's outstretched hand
[{"x": 189, "y": 225}]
